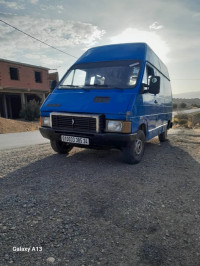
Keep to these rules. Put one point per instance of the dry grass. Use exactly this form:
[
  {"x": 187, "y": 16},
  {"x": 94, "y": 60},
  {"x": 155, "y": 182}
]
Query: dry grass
[{"x": 187, "y": 120}]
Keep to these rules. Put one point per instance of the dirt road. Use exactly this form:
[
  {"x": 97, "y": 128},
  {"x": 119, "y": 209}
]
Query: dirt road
[{"x": 92, "y": 209}]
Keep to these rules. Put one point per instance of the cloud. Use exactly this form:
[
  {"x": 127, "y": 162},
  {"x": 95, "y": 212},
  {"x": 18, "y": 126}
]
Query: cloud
[
  {"x": 33, "y": 1},
  {"x": 56, "y": 32},
  {"x": 49, "y": 8},
  {"x": 44, "y": 60},
  {"x": 197, "y": 14},
  {"x": 13, "y": 5},
  {"x": 60, "y": 8},
  {"x": 155, "y": 26},
  {"x": 7, "y": 14},
  {"x": 152, "y": 38}
]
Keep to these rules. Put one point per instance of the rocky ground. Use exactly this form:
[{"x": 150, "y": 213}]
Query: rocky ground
[{"x": 92, "y": 209}]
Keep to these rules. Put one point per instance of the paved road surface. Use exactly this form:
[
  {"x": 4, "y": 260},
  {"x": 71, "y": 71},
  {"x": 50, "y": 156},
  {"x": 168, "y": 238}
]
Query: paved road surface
[
  {"x": 190, "y": 111},
  {"x": 14, "y": 140}
]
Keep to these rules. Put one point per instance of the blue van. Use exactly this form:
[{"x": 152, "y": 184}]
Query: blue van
[{"x": 113, "y": 96}]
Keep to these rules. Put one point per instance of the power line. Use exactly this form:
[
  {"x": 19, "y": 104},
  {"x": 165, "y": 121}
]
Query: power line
[{"x": 36, "y": 38}]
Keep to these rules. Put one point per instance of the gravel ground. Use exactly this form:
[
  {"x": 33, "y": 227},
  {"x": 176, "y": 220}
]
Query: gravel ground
[{"x": 92, "y": 209}]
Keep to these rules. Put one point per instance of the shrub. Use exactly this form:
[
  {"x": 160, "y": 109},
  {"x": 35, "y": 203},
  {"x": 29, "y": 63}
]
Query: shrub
[
  {"x": 182, "y": 105},
  {"x": 183, "y": 122},
  {"x": 194, "y": 120},
  {"x": 175, "y": 106},
  {"x": 187, "y": 120},
  {"x": 195, "y": 105},
  {"x": 181, "y": 116},
  {"x": 31, "y": 111}
]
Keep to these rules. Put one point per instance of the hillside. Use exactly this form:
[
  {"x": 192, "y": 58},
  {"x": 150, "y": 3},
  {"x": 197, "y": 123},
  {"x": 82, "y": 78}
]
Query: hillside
[
  {"x": 188, "y": 95},
  {"x": 189, "y": 102}
]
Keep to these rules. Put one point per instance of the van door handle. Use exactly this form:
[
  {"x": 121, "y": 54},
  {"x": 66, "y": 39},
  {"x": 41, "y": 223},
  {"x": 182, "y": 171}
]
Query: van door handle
[{"x": 155, "y": 101}]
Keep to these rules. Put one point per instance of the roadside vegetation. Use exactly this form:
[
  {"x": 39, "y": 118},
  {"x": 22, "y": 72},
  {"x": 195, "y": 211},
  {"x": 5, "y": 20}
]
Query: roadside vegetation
[
  {"x": 180, "y": 104},
  {"x": 187, "y": 120},
  {"x": 31, "y": 111},
  {"x": 183, "y": 105}
]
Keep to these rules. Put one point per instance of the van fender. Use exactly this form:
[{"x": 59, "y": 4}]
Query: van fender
[{"x": 139, "y": 122}]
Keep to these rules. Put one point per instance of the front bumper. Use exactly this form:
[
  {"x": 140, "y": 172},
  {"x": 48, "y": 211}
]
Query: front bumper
[{"x": 101, "y": 140}]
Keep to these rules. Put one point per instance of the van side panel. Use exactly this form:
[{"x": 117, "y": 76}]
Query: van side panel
[
  {"x": 167, "y": 101},
  {"x": 155, "y": 111}
]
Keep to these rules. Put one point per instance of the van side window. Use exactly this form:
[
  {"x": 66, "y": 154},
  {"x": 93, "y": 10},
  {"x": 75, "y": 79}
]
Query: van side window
[
  {"x": 150, "y": 73},
  {"x": 144, "y": 80}
]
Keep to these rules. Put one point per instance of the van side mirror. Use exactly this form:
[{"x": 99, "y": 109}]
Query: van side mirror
[
  {"x": 53, "y": 85},
  {"x": 154, "y": 86}
]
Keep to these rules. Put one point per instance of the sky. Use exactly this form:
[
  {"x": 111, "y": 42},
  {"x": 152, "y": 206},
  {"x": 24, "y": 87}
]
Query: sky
[{"x": 170, "y": 27}]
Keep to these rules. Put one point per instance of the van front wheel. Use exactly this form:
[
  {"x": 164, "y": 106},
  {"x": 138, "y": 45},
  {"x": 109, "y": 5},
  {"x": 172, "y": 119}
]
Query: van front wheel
[
  {"x": 60, "y": 147},
  {"x": 133, "y": 153}
]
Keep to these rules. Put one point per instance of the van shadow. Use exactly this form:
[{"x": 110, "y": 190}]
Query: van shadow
[{"x": 77, "y": 206}]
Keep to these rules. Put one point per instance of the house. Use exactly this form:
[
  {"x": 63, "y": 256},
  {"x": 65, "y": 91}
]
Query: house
[{"x": 20, "y": 83}]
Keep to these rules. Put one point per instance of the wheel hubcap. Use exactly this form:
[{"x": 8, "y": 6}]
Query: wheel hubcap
[{"x": 138, "y": 146}]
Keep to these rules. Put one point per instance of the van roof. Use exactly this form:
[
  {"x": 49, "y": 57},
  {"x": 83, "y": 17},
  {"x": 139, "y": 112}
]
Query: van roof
[{"x": 124, "y": 51}]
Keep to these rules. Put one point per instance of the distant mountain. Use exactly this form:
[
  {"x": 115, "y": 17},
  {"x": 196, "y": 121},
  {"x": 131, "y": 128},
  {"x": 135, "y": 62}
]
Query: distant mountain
[{"x": 188, "y": 95}]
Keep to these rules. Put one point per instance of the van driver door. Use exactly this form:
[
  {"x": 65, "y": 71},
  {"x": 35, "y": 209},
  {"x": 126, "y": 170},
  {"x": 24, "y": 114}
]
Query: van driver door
[{"x": 152, "y": 103}]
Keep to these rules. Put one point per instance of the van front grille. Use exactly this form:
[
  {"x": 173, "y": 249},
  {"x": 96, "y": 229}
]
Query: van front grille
[{"x": 75, "y": 123}]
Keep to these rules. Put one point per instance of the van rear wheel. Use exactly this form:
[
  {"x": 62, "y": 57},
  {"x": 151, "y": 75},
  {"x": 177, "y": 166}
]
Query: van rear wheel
[
  {"x": 163, "y": 136},
  {"x": 60, "y": 147},
  {"x": 134, "y": 152}
]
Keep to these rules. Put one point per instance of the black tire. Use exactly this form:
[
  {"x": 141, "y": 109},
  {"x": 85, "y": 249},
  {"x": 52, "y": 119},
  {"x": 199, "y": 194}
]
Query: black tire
[
  {"x": 134, "y": 152},
  {"x": 60, "y": 147},
  {"x": 163, "y": 136}
]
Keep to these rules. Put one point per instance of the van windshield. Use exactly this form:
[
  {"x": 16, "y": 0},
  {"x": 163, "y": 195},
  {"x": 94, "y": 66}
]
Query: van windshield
[{"x": 115, "y": 74}]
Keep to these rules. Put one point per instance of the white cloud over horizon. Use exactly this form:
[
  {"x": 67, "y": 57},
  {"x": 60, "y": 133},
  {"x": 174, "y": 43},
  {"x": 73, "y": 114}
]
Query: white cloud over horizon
[{"x": 153, "y": 39}]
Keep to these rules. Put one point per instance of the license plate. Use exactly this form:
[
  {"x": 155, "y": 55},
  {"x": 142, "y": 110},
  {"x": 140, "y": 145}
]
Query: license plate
[{"x": 78, "y": 140}]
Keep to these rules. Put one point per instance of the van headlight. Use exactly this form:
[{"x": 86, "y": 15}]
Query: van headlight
[
  {"x": 118, "y": 126},
  {"x": 45, "y": 121}
]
